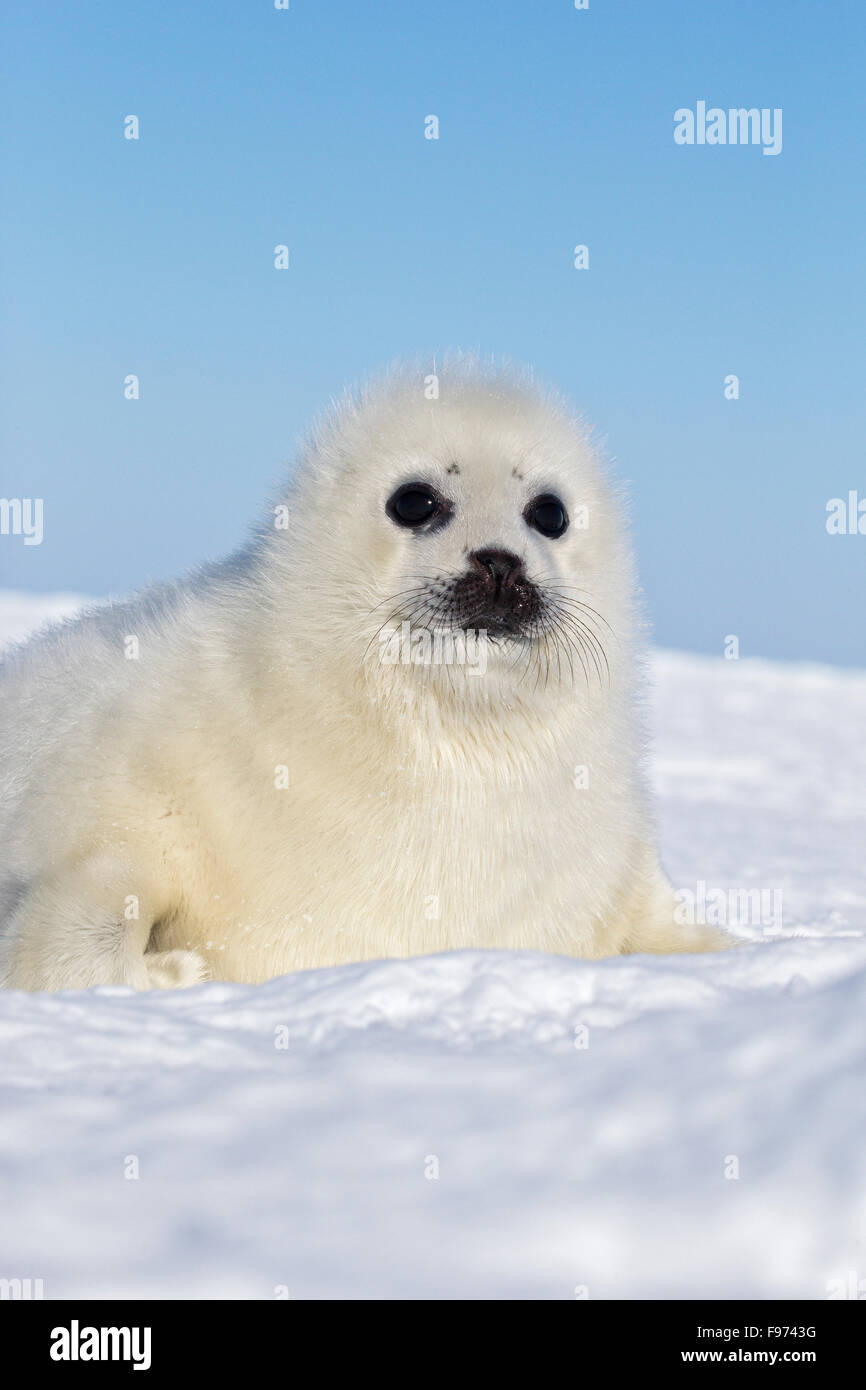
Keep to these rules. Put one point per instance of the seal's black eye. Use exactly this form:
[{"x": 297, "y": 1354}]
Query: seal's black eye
[
  {"x": 415, "y": 503},
  {"x": 548, "y": 515}
]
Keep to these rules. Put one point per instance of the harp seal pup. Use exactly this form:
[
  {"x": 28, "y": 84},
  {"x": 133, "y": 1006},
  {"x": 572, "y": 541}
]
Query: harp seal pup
[{"x": 402, "y": 720}]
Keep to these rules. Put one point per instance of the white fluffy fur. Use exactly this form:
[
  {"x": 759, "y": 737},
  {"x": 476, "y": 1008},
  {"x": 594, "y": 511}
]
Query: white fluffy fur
[{"x": 427, "y": 808}]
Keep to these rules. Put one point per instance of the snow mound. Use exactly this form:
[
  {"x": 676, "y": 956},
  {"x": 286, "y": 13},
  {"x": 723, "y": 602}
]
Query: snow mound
[{"x": 23, "y": 614}]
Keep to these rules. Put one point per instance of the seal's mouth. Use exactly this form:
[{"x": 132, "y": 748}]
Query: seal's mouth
[
  {"x": 497, "y": 628},
  {"x": 499, "y": 623}
]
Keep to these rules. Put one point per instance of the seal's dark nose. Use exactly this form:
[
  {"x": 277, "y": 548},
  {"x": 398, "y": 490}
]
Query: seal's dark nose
[
  {"x": 496, "y": 594},
  {"x": 501, "y": 568}
]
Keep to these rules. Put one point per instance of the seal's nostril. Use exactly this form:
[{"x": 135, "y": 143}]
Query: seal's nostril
[{"x": 501, "y": 566}]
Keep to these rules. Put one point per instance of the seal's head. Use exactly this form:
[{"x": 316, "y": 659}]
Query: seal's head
[{"x": 458, "y": 527}]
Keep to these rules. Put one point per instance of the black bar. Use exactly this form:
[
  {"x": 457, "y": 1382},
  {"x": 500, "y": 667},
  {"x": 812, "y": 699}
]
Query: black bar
[{"x": 222, "y": 1337}]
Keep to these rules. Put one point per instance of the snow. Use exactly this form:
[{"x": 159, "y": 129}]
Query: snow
[
  {"x": 22, "y": 614},
  {"x": 586, "y": 1117}
]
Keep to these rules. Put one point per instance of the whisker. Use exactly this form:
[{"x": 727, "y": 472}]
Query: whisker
[{"x": 589, "y": 640}]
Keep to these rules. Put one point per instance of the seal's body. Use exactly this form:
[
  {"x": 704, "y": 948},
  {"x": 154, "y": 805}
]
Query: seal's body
[{"x": 401, "y": 721}]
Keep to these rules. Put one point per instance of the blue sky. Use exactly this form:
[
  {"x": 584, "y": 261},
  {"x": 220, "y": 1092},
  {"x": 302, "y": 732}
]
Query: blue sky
[{"x": 306, "y": 127}]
